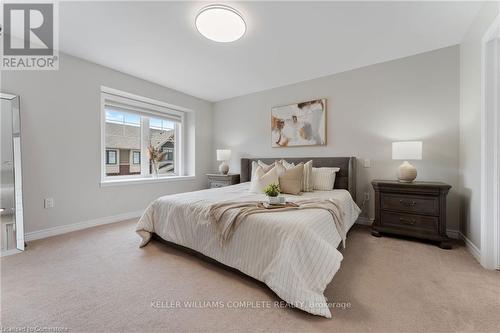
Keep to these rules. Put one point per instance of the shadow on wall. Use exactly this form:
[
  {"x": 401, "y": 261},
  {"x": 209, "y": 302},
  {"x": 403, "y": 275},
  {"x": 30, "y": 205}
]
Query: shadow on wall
[{"x": 464, "y": 216}]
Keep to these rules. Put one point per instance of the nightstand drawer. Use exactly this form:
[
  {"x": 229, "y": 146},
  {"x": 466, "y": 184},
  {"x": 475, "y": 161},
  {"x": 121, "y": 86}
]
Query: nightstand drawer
[
  {"x": 390, "y": 219},
  {"x": 215, "y": 184},
  {"x": 216, "y": 180},
  {"x": 410, "y": 203}
]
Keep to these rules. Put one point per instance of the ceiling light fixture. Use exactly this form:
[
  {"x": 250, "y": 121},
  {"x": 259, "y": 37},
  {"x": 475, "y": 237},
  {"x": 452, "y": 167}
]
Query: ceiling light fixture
[{"x": 220, "y": 23}]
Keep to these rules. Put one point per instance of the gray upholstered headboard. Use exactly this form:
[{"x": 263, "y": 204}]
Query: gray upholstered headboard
[{"x": 345, "y": 179}]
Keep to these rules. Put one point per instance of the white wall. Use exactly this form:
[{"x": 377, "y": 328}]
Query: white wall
[
  {"x": 470, "y": 122},
  {"x": 368, "y": 108},
  {"x": 60, "y": 120}
]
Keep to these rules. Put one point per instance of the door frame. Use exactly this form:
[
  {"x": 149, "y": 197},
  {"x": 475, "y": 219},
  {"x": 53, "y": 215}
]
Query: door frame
[{"x": 490, "y": 155}]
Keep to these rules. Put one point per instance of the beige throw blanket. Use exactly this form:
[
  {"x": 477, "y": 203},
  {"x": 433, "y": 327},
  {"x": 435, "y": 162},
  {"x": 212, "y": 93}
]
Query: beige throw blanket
[{"x": 229, "y": 214}]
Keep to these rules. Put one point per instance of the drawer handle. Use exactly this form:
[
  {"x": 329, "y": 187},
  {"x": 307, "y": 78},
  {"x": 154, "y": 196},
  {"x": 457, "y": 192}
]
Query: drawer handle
[
  {"x": 407, "y": 221},
  {"x": 408, "y": 203}
]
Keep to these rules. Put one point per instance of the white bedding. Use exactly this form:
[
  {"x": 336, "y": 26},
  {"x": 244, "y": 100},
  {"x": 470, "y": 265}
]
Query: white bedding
[{"x": 294, "y": 253}]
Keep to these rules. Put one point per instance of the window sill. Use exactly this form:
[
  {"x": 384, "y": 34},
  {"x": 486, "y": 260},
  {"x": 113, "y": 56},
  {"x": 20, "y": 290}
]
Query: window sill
[{"x": 132, "y": 181}]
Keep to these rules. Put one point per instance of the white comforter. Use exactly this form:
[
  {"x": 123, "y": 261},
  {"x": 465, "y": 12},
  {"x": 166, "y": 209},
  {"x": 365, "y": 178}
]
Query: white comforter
[{"x": 294, "y": 253}]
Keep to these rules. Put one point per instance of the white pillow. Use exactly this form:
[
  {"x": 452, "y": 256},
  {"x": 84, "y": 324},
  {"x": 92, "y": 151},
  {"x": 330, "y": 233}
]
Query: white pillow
[
  {"x": 324, "y": 178},
  {"x": 264, "y": 166},
  {"x": 286, "y": 164},
  {"x": 262, "y": 179},
  {"x": 307, "y": 178}
]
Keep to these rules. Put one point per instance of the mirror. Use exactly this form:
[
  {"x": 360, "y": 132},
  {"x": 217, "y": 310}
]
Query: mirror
[{"x": 11, "y": 198}]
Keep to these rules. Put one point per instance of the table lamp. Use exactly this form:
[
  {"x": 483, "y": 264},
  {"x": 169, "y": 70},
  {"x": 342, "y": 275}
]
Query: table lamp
[
  {"x": 407, "y": 150},
  {"x": 223, "y": 155}
]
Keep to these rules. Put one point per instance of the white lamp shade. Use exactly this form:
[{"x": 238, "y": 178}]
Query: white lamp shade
[
  {"x": 407, "y": 150},
  {"x": 223, "y": 154}
]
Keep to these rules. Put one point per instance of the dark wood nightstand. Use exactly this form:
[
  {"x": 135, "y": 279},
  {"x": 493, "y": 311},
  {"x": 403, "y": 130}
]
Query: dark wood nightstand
[
  {"x": 219, "y": 180},
  {"x": 415, "y": 209}
]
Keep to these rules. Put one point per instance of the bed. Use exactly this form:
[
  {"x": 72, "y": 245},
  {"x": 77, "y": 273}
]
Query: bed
[{"x": 293, "y": 252}]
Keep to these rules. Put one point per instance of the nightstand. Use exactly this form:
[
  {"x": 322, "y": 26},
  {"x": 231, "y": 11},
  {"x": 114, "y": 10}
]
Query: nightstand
[
  {"x": 219, "y": 180},
  {"x": 415, "y": 209}
]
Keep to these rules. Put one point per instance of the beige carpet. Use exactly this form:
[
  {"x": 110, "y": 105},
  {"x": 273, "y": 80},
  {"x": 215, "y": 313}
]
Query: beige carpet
[{"x": 97, "y": 280}]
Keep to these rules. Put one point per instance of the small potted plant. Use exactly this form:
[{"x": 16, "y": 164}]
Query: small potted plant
[{"x": 272, "y": 191}]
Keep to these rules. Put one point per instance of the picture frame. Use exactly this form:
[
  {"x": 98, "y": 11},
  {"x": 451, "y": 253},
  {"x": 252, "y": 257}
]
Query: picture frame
[{"x": 299, "y": 124}]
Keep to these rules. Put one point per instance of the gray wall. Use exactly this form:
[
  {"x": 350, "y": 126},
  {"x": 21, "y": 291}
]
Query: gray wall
[
  {"x": 60, "y": 119},
  {"x": 368, "y": 108},
  {"x": 470, "y": 122}
]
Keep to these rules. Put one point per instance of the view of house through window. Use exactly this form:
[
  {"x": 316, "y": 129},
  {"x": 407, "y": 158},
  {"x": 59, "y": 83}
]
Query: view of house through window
[
  {"x": 129, "y": 138},
  {"x": 123, "y": 139},
  {"x": 162, "y": 137}
]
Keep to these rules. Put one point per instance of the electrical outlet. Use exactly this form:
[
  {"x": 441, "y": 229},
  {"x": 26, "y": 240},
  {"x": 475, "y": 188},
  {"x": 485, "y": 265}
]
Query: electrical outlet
[
  {"x": 367, "y": 196},
  {"x": 48, "y": 203},
  {"x": 367, "y": 163}
]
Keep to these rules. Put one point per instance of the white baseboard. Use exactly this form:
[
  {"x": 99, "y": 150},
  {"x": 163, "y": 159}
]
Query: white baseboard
[
  {"x": 364, "y": 220},
  {"x": 454, "y": 234},
  {"x": 9, "y": 252},
  {"x": 471, "y": 247},
  {"x": 49, "y": 232}
]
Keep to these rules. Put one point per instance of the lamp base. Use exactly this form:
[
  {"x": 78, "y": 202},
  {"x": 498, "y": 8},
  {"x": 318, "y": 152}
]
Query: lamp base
[
  {"x": 406, "y": 173},
  {"x": 224, "y": 168}
]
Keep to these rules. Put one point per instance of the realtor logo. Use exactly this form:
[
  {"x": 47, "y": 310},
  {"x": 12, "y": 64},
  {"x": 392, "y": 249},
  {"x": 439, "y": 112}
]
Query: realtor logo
[{"x": 29, "y": 36}]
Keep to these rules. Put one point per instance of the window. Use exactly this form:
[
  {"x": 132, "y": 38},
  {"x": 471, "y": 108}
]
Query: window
[
  {"x": 114, "y": 116},
  {"x": 162, "y": 137},
  {"x": 136, "y": 157},
  {"x": 110, "y": 156},
  {"x": 140, "y": 139}
]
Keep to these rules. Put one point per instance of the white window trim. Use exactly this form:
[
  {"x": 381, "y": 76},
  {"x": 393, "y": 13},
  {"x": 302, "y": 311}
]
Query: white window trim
[
  {"x": 144, "y": 180},
  {"x": 157, "y": 107},
  {"x": 143, "y": 99},
  {"x": 133, "y": 156},
  {"x": 490, "y": 163}
]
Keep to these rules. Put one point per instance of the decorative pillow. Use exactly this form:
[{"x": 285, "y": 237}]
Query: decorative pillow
[
  {"x": 324, "y": 178},
  {"x": 307, "y": 179},
  {"x": 286, "y": 164},
  {"x": 291, "y": 179},
  {"x": 280, "y": 168},
  {"x": 261, "y": 179},
  {"x": 264, "y": 166}
]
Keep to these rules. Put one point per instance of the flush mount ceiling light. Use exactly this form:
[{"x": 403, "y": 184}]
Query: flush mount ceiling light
[{"x": 220, "y": 23}]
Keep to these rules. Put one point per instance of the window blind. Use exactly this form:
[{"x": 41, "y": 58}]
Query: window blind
[{"x": 124, "y": 104}]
